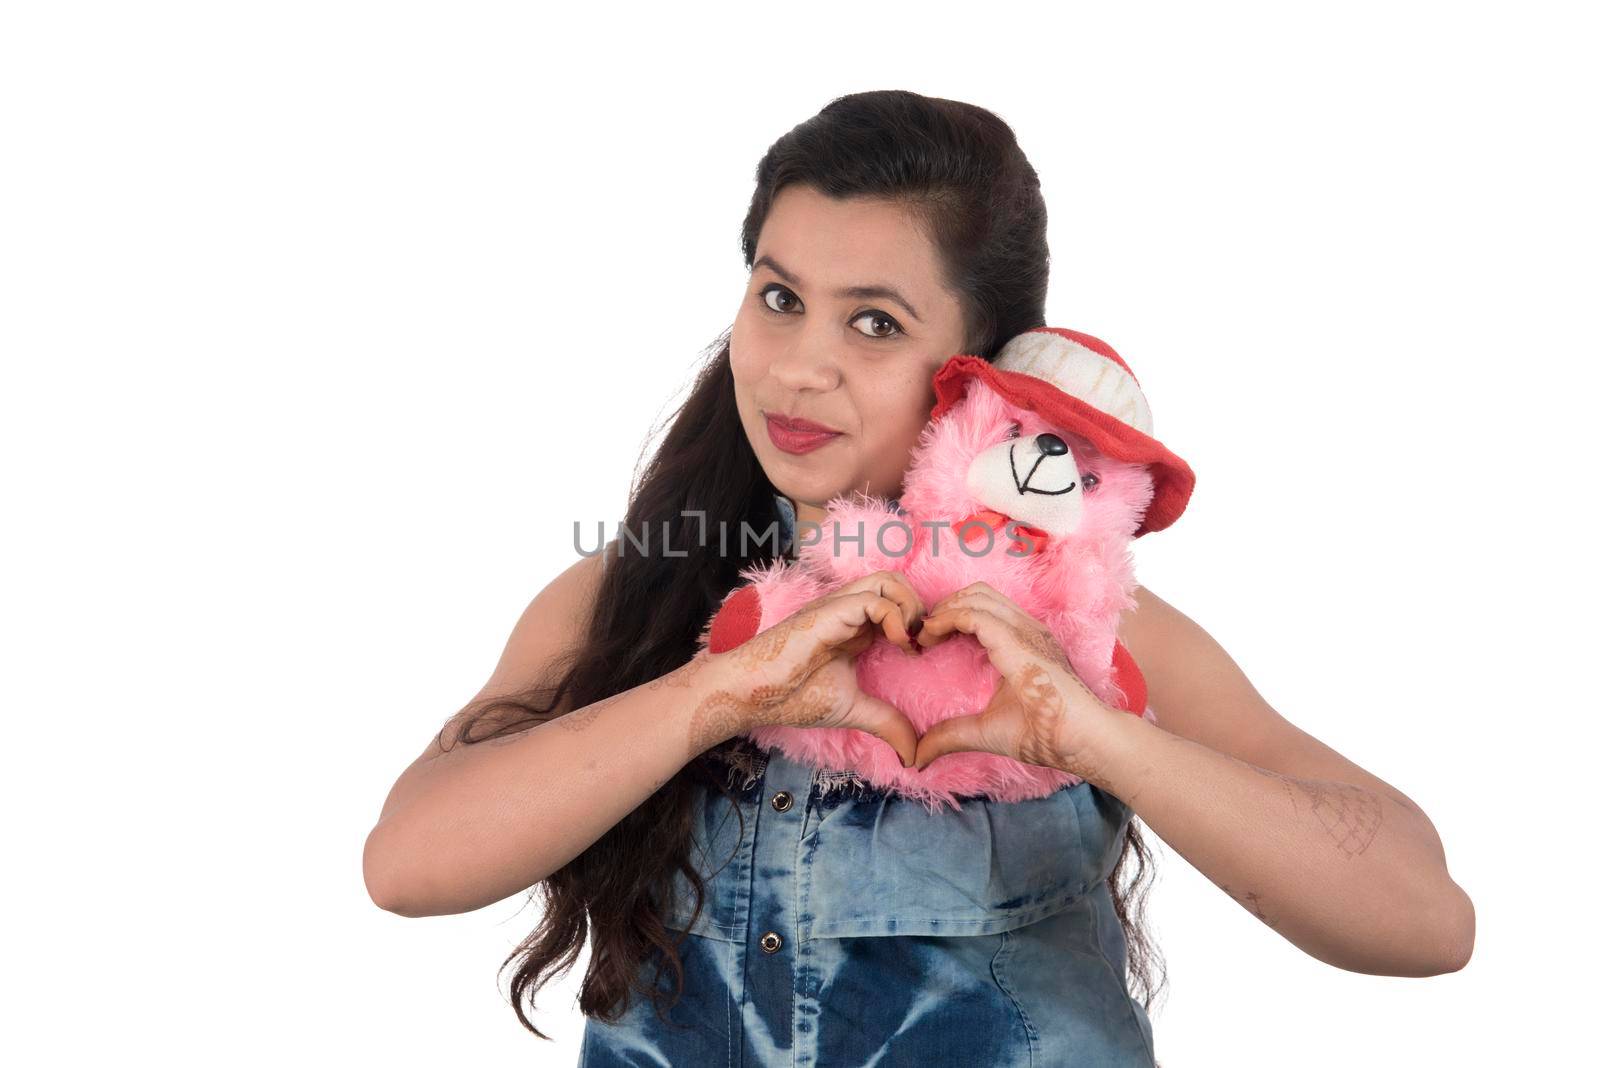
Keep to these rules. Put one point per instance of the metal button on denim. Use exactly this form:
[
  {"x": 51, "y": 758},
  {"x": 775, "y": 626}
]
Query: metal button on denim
[
  {"x": 1014, "y": 956},
  {"x": 782, "y": 800}
]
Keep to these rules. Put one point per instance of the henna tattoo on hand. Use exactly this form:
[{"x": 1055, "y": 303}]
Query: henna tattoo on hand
[
  {"x": 767, "y": 646},
  {"x": 816, "y": 698},
  {"x": 1045, "y": 715},
  {"x": 1043, "y": 705},
  {"x": 803, "y": 697},
  {"x": 720, "y": 716},
  {"x": 1043, "y": 644},
  {"x": 725, "y": 713}
]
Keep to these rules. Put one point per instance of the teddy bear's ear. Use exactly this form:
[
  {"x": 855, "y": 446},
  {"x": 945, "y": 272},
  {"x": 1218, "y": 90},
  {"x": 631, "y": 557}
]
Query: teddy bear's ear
[
  {"x": 1129, "y": 679},
  {"x": 736, "y": 621}
]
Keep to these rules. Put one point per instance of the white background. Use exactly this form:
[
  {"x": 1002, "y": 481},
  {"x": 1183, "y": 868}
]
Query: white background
[{"x": 322, "y": 322}]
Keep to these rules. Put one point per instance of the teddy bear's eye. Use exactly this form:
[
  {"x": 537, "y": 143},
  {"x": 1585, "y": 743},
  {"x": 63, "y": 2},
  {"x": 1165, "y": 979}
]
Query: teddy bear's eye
[
  {"x": 1090, "y": 481},
  {"x": 1014, "y": 431}
]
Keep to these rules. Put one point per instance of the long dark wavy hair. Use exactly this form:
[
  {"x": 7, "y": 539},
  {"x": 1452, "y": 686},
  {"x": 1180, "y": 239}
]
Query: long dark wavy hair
[{"x": 959, "y": 167}]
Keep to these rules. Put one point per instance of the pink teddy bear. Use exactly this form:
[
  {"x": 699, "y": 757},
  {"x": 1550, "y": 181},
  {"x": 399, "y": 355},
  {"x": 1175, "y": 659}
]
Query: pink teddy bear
[{"x": 1034, "y": 474}]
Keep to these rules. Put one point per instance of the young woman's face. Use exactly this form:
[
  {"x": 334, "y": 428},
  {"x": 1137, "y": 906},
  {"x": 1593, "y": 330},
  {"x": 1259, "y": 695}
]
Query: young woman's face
[{"x": 843, "y": 324}]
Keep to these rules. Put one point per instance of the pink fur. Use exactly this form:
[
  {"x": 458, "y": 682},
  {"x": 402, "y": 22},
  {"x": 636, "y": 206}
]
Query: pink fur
[{"x": 1078, "y": 586}]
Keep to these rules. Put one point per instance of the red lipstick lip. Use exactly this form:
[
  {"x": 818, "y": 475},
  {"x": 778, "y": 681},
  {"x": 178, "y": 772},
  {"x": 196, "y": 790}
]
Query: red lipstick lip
[
  {"x": 798, "y": 435},
  {"x": 802, "y": 426}
]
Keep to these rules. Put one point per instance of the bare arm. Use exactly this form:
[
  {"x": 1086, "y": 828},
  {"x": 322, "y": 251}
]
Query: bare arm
[
  {"x": 1331, "y": 857},
  {"x": 470, "y": 824}
]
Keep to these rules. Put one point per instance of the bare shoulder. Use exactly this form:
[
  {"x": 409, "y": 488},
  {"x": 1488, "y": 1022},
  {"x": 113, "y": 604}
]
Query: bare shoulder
[
  {"x": 550, "y": 626},
  {"x": 1195, "y": 687}
]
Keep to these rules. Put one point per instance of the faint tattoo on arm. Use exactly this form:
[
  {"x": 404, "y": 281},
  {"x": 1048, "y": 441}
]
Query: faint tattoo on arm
[
  {"x": 1252, "y": 901},
  {"x": 1350, "y": 815},
  {"x": 682, "y": 676},
  {"x": 580, "y": 718},
  {"x": 1403, "y": 802},
  {"x": 679, "y": 677}
]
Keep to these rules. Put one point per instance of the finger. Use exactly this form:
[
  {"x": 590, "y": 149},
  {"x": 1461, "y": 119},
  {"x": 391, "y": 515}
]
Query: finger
[
  {"x": 883, "y": 720},
  {"x": 845, "y": 625},
  {"x": 963, "y": 592},
  {"x": 981, "y": 595},
  {"x": 881, "y": 613},
  {"x": 929, "y": 638},
  {"x": 949, "y": 599},
  {"x": 997, "y": 638},
  {"x": 1027, "y": 633},
  {"x": 855, "y": 623},
  {"x": 948, "y": 736},
  {"x": 886, "y": 614},
  {"x": 941, "y": 624},
  {"x": 894, "y": 586},
  {"x": 994, "y": 595}
]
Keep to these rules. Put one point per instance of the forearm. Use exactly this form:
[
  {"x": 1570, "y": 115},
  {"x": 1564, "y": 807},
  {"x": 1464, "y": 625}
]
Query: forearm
[
  {"x": 1353, "y": 877},
  {"x": 485, "y": 820}
]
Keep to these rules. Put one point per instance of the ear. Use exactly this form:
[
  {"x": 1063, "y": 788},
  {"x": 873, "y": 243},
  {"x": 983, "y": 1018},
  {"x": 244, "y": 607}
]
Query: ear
[
  {"x": 1129, "y": 679},
  {"x": 736, "y": 621}
]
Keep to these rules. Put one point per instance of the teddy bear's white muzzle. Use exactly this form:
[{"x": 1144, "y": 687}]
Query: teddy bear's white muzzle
[{"x": 1033, "y": 480}]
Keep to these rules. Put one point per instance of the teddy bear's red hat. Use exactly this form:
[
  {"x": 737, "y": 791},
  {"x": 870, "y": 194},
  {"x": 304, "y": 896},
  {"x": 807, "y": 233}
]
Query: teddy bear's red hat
[{"x": 1080, "y": 384}]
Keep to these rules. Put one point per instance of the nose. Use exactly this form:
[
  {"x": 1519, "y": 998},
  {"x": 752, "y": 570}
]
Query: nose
[
  {"x": 806, "y": 364},
  {"x": 1051, "y": 445}
]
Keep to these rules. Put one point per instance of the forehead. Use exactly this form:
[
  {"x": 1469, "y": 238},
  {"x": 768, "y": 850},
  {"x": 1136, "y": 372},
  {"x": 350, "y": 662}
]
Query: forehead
[{"x": 831, "y": 243}]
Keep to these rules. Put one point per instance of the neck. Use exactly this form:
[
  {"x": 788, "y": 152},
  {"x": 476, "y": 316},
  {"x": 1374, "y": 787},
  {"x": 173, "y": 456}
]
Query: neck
[{"x": 806, "y": 512}]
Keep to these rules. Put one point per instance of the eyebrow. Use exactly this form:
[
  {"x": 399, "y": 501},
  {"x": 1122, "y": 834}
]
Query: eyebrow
[{"x": 859, "y": 292}]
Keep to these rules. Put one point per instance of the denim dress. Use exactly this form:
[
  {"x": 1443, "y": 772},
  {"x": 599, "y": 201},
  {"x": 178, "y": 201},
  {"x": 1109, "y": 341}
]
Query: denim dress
[
  {"x": 845, "y": 926},
  {"x": 848, "y": 927}
]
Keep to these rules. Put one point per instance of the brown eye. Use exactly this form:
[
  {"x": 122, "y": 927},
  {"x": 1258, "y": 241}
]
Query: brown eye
[
  {"x": 1090, "y": 481},
  {"x": 878, "y": 317},
  {"x": 776, "y": 290},
  {"x": 1014, "y": 431}
]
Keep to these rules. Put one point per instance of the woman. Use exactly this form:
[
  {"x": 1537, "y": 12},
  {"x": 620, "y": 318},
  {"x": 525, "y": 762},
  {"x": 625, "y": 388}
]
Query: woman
[{"x": 745, "y": 909}]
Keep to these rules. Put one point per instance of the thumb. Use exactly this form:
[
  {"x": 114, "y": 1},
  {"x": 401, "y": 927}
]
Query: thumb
[
  {"x": 879, "y": 718},
  {"x": 948, "y": 736}
]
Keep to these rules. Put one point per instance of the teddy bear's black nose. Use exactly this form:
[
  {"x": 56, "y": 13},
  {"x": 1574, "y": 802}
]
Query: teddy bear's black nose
[{"x": 1051, "y": 445}]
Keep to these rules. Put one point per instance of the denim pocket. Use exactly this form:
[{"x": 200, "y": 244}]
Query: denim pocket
[{"x": 871, "y": 863}]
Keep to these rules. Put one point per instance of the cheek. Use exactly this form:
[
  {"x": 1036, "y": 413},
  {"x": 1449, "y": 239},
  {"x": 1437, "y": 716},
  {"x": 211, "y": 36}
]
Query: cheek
[
  {"x": 741, "y": 355},
  {"x": 894, "y": 413},
  {"x": 747, "y": 351}
]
